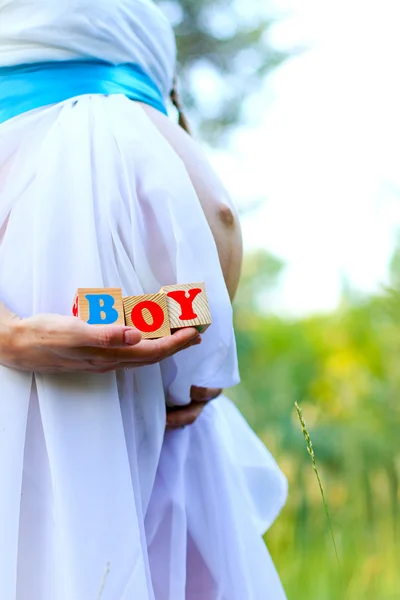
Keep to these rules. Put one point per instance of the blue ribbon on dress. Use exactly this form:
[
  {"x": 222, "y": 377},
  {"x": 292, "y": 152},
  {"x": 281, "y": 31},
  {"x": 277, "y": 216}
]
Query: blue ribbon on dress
[{"x": 30, "y": 86}]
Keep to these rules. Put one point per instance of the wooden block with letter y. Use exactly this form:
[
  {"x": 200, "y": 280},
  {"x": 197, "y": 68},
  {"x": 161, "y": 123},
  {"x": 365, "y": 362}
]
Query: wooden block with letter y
[
  {"x": 149, "y": 314},
  {"x": 99, "y": 306},
  {"x": 188, "y": 306}
]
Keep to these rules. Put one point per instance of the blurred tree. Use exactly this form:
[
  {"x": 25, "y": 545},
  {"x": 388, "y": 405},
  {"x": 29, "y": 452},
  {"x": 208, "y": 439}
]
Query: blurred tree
[{"x": 224, "y": 53}]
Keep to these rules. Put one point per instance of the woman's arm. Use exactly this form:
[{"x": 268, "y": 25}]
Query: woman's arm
[{"x": 58, "y": 344}]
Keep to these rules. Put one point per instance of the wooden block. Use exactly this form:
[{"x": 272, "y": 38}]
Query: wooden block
[
  {"x": 149, "y": 314},
  {"x": 188, "y": 306},
  {"x": 99, "y": 306}
]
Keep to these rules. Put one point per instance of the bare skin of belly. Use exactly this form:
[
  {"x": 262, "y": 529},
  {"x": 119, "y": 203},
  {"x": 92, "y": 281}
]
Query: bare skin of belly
[{"x": 214, "y": 199}]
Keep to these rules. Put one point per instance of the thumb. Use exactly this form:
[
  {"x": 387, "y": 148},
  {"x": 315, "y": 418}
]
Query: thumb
[{"x": 108, "y": 336}]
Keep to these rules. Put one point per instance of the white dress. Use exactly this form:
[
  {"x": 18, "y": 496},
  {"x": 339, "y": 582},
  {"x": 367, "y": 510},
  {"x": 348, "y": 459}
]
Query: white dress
[{"x": 91, "y": 195}]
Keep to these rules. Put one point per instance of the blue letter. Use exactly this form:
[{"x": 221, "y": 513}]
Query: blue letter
[{"x": 101, "y": 309}]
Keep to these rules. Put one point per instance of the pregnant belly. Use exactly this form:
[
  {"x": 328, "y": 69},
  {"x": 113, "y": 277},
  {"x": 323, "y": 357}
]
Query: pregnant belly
[
  {"x": 213, "y": 197},
  {"x": 214, "y": 200}
]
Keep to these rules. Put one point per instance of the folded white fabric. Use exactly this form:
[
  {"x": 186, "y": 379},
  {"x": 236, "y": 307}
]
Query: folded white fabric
[{"x": 91, "y": 195}]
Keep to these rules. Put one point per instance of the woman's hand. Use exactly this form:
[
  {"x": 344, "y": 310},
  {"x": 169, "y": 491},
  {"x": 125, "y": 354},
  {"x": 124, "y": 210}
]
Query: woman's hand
[
  {"x": 179, "y": 416},
  {"x": 58, "y": 344}
]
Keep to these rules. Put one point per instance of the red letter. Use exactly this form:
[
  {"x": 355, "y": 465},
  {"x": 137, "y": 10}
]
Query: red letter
[
  {"x": 186, "y": 302},
  {"x": 75, "y": 309},
  {"x": 157, "y": 314}
]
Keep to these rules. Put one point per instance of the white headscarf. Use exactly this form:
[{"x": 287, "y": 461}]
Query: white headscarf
[{"x": 117, "y": 31}]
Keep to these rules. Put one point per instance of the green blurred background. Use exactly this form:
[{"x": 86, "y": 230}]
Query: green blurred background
[
  {"x": 343, "y": 369},
  {"x": 339, "y": 361}
]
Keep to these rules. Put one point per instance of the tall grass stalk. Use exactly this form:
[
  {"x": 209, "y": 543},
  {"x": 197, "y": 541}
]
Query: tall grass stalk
[
  {"x": 103, "y": 583},
  {"x": 311, "y": 452}
]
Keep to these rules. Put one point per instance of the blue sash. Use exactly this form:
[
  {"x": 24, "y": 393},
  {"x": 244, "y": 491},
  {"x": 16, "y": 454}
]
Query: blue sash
[{"x": 30, "y": 86}]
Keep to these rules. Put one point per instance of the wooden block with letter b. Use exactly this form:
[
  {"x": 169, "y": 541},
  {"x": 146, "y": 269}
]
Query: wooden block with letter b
[
  {"x": 188, "y": 306},
  {"x": 149, "y": 314},
  {"x": 99, "y": 306}
]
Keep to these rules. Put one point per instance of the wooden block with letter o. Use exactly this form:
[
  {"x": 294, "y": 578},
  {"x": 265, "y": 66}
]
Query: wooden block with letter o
[
  {"x": 188, "y": 306},
  {"x": 149, "y": 314},
  {"x": 99, "y": 306}
]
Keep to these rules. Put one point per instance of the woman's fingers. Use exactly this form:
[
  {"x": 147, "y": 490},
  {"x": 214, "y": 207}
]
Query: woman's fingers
[
  {"x": 51, "y": 343},
  {"x": 112, "y": 336},
  {"x": 185, "y": 415},
  {"x": 179, "y": 340},
  {"x": 202, "y": 394},
  {"x": 127, "y": 341},
  {"x": 146, "y": 351},
  {"x": 193, "y": 342},
  {"x": 104, "y": 336},
  {"x": 131, "y": 365}
]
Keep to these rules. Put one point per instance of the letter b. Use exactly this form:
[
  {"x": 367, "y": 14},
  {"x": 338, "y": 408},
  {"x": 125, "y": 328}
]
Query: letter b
[{"x": 101, "y": 309}]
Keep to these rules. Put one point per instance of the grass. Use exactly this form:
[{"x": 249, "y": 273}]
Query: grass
[{"x": 311, "y": 452}]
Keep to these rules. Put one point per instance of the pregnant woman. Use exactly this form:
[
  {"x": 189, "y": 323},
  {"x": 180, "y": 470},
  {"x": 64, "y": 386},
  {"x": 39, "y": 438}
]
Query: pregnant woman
[{"x": 98, "y": 188}]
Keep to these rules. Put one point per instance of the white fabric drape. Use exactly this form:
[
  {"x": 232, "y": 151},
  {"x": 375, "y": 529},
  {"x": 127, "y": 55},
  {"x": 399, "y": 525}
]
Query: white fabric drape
[
  {"x": 85, "y": 203},
  {"x": 117, "y": 31},
  {"x": 91, "y": 195}
]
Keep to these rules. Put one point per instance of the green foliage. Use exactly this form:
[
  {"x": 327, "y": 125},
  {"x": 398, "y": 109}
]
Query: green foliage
[
  {"x": 227, "y": 42},
  {"x": 343, "y": 369}
]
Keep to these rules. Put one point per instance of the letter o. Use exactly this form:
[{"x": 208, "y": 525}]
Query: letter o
[{"x": 157, "y": 314}]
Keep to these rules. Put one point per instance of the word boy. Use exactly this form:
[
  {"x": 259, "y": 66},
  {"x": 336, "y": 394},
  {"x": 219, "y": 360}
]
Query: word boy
[{"x": 154, "y": 315}]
